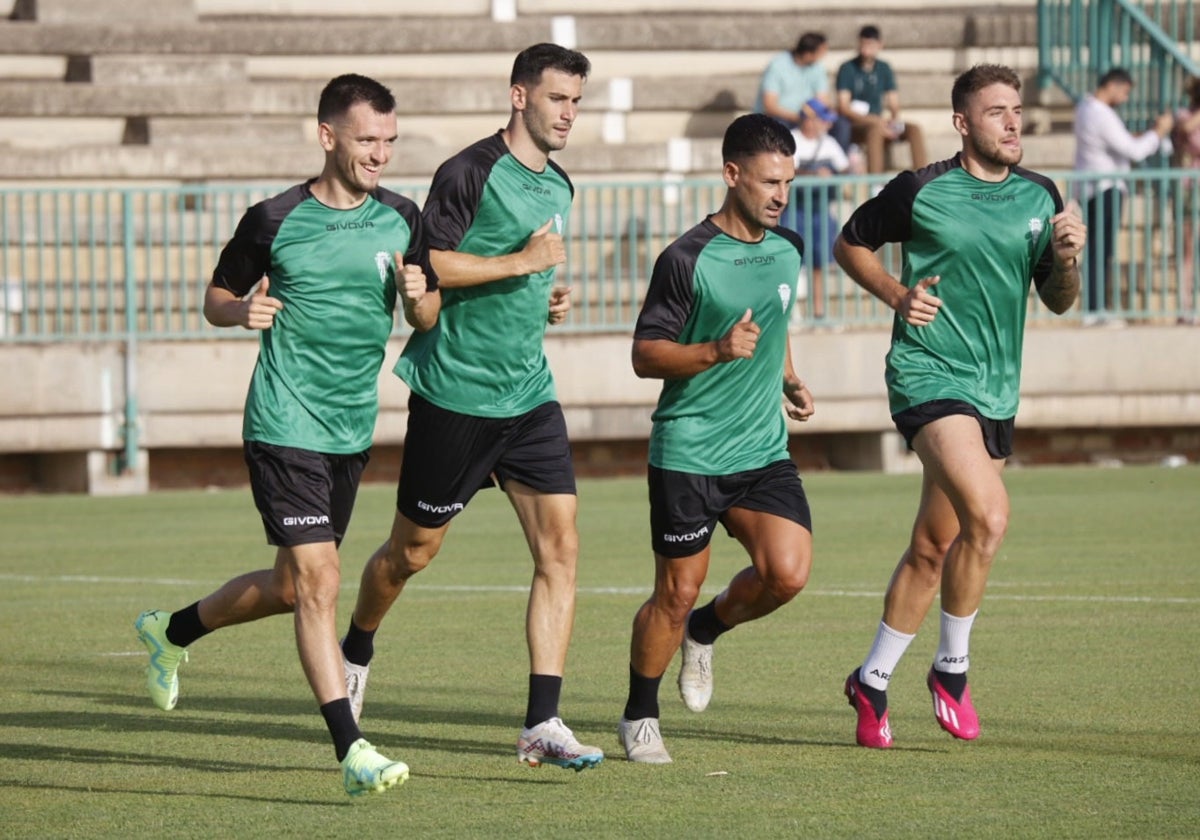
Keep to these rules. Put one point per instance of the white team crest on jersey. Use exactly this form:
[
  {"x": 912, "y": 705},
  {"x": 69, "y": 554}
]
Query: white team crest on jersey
[
  {"x": 785, "y": 295},
  {"x": 383, "y": 261},
  {"x": 1035, "y": 227}
]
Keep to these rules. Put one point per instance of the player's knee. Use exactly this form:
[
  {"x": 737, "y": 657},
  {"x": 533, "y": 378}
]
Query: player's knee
[
  {"x": 787, "y": 585},
  {"x": 317, "y": 589},
  {"x": 986, "y": 531},
  {"x": 677, "y": 601},
  {"x": 927, "y": 554}
]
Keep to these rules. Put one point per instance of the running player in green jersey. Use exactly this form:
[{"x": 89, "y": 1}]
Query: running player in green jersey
[
  {"x": 333, "y": 255},
  {"x": 975, "y": 230},
  {"x": 714, "y": 328},
  {"x": 483, "y": 407}
]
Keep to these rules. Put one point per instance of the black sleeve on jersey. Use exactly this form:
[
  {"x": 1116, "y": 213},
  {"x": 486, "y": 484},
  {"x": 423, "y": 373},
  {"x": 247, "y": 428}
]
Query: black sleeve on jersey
[
  {"x": 888, "y": 216},
  {"x": 1045, "y": 263},
  {"x": 791, "y": 236},
  {"x": 247, "y": 256},
  {"x": 885, "y": 218},
  {"x": 418, "y": 247},
  {"x": 562, "y": 174},
  {"x": 672, "y": 288},
  {"x": 456, "y": 191}
]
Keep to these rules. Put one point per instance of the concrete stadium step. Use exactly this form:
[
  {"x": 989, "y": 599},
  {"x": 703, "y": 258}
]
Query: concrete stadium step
[
  {"x": 418, "y": 157},
  {"x": 391, "y": 35}
]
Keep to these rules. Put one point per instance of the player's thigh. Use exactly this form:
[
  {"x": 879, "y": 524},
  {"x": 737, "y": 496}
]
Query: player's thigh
[
  {"x": 780, "y": 548},
  {"x": 677, "y": 580},
  {"x": 548, "y": 521},
  {"x": 955, "y": 458},
  {"x": 294, "y": 491},
  {"x": 536, "y": 453},
  {"x": 448, "y": 457},
  {"x": 315, "y": 570}
]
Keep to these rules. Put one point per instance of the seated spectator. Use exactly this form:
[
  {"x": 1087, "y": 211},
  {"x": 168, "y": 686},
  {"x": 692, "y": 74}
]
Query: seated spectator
[
  {"x": 792, "y": 78},
  {"x": 810, "y": 212},
  {"x": 866, "y": 89}
]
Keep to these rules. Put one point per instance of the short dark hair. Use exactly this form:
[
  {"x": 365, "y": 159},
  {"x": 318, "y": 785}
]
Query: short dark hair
[
  {"x": 870, "y": 32},
  {"x": 809, "y": 43},
  {"x": 531, "y": 62},
  {"x": 979, "y": 77},
  {"x": 1117, "y": 74},
  {"x": 753, "y": 134},
  {"x": 344, "y": 92}
]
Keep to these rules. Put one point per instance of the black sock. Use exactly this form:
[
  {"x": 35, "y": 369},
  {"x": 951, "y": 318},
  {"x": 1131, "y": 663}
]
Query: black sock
[
  {"x": 340, "y": 720},
  {"x": 877, "y": 697},
  {"x": 544, "y": 691},
  {"x": 643, "y": 696},
  {"x": 704, "y": 626},
  {"x": 359, "y": 645},
  {"x": 185, "y": 627},
  {"x": 956, "y": 684}
]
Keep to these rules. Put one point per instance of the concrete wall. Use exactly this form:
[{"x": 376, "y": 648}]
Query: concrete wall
[{"x": 68, "y": 400}]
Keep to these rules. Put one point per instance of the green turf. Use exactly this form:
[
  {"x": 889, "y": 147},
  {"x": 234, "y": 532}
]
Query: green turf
[{"x": 1085, "y": 673}]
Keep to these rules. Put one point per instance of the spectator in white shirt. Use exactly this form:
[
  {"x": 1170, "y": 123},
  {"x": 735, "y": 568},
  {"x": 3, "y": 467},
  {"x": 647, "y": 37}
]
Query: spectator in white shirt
[{"x": 1102, "y": 145}]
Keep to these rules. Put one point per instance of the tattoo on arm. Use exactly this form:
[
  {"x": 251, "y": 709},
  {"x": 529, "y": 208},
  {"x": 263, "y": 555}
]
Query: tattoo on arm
[{"x": 1061, "y": 288}]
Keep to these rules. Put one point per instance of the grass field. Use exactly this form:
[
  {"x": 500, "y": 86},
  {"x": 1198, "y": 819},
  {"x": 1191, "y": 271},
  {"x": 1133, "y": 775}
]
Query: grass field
[{"x": 1085, "y": 673}]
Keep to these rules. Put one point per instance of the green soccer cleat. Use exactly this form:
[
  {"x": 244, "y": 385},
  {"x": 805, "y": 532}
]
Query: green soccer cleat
[
  {"x": 162, "y": 674},
  {"x": 365, "y": 771}
]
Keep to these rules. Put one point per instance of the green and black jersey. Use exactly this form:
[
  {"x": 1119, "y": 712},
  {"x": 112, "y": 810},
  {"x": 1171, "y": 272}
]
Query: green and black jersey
[
  {"x": 728, "y": 418},
  {"x": 315, "y": 385},
  {"x": 985, "y": 240},
  {"x": 485, "y": 357}
]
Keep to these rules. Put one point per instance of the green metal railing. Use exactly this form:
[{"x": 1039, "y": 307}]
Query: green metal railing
[
  {"x": 129, "y": 265},
  {"x": 1157, "y": 42},
  {"x": 132, "y": 264}
]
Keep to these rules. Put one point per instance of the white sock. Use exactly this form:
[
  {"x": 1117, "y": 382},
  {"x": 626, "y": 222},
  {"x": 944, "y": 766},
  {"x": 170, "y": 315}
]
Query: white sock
[
  {"x": 954, "y": 643},
  {"x": 883, "y": 657}
]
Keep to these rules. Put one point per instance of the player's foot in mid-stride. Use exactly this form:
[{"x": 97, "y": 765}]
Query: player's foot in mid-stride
[
  {"x": 873, "y": 729},
  {"x": 364, "y": 770},
  {"x": 643, "y": 741},
  {"x": 956, "y": 715},
  {"x": 695, "y": 673},
  {"x": 162, "y": 674},
  {"x": 552, "y": 742}
]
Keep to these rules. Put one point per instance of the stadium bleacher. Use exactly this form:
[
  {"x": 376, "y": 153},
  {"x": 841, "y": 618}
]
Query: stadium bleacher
[{"x": 213, "y": 90}]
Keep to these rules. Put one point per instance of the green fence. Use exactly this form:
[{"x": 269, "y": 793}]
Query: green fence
[
  {"x": 124, "y": 264},
  {"x": 1158, "y": 42}
]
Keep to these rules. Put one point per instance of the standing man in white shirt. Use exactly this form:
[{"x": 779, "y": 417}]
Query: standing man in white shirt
[{"x": 1103, "y": 144}]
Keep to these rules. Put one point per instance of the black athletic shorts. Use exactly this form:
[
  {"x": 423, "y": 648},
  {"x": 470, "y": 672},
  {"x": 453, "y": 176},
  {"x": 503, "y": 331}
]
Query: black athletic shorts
[
  {"x": 448, "y": 457},
  {"x": 303, "y": 496},
  {"x": 997, "y": 434},
  {"x": 685, "y": 507}
]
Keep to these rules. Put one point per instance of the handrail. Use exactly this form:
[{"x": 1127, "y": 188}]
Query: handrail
[{"x": 1080, "y": 39}]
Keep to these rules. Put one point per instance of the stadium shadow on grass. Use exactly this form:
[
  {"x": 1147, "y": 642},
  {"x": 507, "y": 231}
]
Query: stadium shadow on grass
[{"x": 91, "y": 790}]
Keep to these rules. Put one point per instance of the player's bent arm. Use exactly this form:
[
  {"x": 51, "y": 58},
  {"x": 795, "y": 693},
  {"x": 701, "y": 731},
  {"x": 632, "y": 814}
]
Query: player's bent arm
[
  {"x": 456, "y": 270},
  {"x": 661, "y": 358},
  {"x": 222, "y": 308},
  {"x": 866, "y": 269},
  {"x": 1061, "y": 288},
  {"x": 423, "y": 314}
]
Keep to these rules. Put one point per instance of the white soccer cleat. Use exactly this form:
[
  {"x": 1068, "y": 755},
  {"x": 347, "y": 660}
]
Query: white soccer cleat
[
  {"x": 695, "y": 674},
  {"x": 552, "y": 742},
  {"x": 643, "y": 741}
]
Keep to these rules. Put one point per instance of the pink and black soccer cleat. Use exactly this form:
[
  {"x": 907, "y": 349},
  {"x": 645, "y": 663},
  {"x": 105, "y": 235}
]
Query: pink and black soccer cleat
[
  {"x": 873, "y": 731},
  {"x": 955, "y": 716}
]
